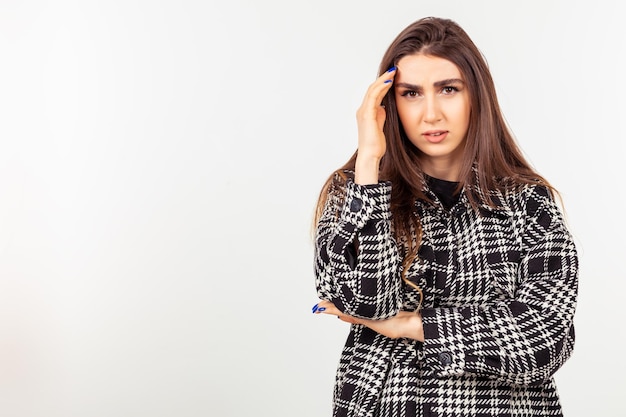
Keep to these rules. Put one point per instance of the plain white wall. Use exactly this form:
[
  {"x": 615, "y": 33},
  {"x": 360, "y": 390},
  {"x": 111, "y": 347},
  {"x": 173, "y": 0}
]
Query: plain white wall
[{"x": 159, "y": 165}]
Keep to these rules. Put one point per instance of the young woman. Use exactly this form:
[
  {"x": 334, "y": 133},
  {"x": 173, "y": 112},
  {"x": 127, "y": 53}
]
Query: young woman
[{"x": 442, "y": 247}]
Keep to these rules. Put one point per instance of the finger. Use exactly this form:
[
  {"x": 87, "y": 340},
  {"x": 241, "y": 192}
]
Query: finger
[
  {"x": 377, "y": 90},
  {"x": 387, "y": 76},
  {"x": 326, "y": 307}
]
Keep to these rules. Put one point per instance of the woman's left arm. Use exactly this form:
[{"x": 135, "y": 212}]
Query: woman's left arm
[{"x": 522, "y": 340}]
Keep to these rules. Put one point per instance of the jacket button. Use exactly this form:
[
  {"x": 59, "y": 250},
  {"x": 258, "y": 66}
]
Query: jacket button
[
  {"x": 356, "y": 204},
  {"x": 445, "y": 358}
]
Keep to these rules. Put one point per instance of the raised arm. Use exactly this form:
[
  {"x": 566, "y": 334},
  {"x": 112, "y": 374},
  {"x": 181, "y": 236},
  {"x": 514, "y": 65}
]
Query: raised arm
[{"x": 356, "y": 260}]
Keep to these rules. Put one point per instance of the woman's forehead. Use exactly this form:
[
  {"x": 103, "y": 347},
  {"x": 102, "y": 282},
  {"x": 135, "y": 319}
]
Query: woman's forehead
[{"x": 423, "y": 69}]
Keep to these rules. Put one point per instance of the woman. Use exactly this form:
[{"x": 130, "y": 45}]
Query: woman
[{"x": 442, "y": 247}]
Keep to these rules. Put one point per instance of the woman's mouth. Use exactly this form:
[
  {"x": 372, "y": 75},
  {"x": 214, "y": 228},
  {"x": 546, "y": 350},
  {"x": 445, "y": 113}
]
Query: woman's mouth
[{"x": 435, "y": 136}]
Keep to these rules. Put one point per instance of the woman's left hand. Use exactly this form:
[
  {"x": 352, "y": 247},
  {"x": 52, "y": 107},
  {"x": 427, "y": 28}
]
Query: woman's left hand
[{"x": 404, "y": 324}]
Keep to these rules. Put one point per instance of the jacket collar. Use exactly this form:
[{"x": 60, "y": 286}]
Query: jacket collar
[{"x": 497, "y": 197}]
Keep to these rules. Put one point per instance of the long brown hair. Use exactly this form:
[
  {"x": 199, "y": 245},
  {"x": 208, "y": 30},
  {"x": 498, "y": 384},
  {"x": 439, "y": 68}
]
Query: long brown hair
[{"x": 492, "y": 160}]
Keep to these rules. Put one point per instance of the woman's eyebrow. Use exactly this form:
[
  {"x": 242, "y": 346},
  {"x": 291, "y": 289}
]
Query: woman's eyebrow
[
  {"x": 441, "y": 83},
  {"x": 409, "y": 86},
  {"x": 449, "y": 81}
]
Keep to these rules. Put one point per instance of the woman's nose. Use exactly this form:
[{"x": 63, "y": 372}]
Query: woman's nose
[{"x": 432, "y": 111}]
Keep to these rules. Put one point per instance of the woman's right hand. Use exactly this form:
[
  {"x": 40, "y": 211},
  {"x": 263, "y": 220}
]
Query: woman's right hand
[{"x": 370, "y": 121}]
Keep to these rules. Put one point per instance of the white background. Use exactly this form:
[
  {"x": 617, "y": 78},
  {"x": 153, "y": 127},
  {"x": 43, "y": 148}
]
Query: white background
[{"x": 159, "y": 166}]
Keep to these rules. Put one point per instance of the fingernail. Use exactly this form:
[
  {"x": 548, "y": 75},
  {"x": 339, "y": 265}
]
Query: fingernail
[
  {"x": 321, "y": 309},
  {"x": 392, "y": 69},
  {"x": 387, "y": 81},
  {"x": 314, "y": 308}
]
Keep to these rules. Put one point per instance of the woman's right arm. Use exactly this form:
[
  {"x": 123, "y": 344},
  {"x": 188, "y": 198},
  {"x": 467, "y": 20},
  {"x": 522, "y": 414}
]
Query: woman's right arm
[
  {"x": 357, "y": 262},
  {"x": 370, "y": 119}
]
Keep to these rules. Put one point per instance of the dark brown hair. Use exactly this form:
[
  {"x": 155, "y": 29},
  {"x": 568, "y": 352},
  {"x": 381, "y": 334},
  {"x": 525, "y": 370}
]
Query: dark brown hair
[{"x": 492, "y": 160}]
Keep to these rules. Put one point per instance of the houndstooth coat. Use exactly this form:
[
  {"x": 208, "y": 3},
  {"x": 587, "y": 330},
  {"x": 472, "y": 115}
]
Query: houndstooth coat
[{"x": 500, "y": 287}]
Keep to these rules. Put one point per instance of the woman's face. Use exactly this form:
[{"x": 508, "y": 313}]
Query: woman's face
[{"x": 434, "y": 108}]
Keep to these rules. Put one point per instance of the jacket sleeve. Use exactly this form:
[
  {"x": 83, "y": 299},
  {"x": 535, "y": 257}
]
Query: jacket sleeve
[
  {"x": 525, "y": 339},
  {"x": 356, "y": 257}
]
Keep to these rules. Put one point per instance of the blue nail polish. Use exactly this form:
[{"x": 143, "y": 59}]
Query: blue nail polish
[
  {"x": 321, "y": 309},
  {"x": 392, "y": 69},
  {"x": 314, "y": 308},
  {"x": 387, "y": 81}
]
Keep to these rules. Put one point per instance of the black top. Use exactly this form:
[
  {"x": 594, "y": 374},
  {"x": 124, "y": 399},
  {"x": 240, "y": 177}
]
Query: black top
[{"x": 444, "y": 190}]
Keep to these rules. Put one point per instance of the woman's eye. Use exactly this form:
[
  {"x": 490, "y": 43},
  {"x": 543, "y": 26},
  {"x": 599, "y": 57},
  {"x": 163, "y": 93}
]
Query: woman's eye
[
  {"x": 449, "y": 90},
  {"x": 409, "y": 93}
]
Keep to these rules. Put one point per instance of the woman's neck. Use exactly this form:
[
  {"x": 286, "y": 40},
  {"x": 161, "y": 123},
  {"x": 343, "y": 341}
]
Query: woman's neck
[
  {"x": 444, "y": 167},
  {"x": 443, "y": 170}
]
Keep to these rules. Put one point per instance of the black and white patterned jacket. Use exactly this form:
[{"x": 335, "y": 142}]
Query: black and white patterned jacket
[{"x": 500, "y": 287}]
